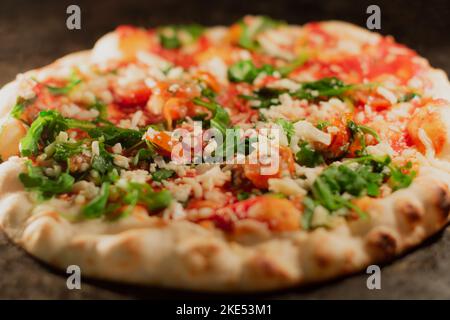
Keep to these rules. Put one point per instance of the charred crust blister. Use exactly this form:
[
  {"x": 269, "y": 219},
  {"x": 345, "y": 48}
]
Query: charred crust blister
[
  {"x": 382, "y": 243},
  {"x": 443, "y": 201}
]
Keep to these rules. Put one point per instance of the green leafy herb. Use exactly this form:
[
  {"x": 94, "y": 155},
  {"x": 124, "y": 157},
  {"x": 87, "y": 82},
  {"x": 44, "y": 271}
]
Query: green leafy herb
[
  {"x": 35, "y": 180},
  {"x": 326, "y": 87},
  {"x": 263, "y": 98},
  {"x": 409, "y": 96},
  {"x": 103, "y": 162},
  {"x": 46, "y": 127},
  {"x": 208, "y": 93},
  {"x": 308, "y": 157},
  {"x": 246, "y": 71},
  {"x": 401, "y": 177},
  {"x": 20, "y": 107},
  {"x": 175, "y": 36},
  {"x": 17, "y": 110},
  {"x": 220, "y": 118},
  {"x": 102, "y": 110},
  {"x": 144, "y": 155},
  {"x": 234, "y": 143},
  {"x": 357, "y": 177},
  {"x": 138, "y": 193},
  {"x": 49, "y": 123},
  {"x": 322, "y": 125},
  {"x": 243, "y": 195},
  {"x": 358, "y": 131},
  {"x": 65, "y": 150},
  {"x": 243, "y": 71},
  {"x": 97, "y": 206},
  {"x": 113, "y": 135},
  {"x": 162, "y": 174},
  {"x": 72, "y": 83},
  {"x": 288, "y": 127}
]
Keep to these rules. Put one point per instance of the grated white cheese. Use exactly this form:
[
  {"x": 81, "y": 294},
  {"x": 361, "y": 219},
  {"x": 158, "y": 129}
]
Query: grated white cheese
[
  {"x": 95, "y": 148},
  {"x": 121, "y": 161},
  {"x": 306, "y": 131},
  {"x": 117, "y": 148},
  {"x": 218, "y": 68},
  {"x": 381, "y": 149},
  {"x": 286, "y": 186},
  {"x": 153, "y": 60},
  {"x": 25, "y": 87},
  {"x": 387, "y": 94}
]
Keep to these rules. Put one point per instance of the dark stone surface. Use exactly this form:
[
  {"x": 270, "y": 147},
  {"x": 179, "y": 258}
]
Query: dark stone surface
[{"x": 33, "y": 33}]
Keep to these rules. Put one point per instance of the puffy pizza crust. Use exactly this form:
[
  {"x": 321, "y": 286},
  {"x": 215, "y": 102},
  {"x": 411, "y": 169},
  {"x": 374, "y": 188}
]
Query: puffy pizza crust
[{"x": 181, "y": 254}]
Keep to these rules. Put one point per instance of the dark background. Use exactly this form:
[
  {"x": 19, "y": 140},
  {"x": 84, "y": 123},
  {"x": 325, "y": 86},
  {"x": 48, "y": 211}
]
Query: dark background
[{"x": 34, "y": 33}]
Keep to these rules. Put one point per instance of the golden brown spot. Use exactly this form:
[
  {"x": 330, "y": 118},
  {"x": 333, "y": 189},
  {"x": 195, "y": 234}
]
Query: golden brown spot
[
  {"x": 409, "y": 213},
  {"x": 323, "y": 258},
  {"x": 382, "y": 243},
  {"x": 443, "y": 201}
]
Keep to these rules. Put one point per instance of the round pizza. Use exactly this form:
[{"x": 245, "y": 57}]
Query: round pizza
[{"x": 91, "y": 148}]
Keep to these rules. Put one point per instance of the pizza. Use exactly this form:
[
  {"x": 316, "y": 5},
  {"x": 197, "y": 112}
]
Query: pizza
[{"x": 362, "y": 131}]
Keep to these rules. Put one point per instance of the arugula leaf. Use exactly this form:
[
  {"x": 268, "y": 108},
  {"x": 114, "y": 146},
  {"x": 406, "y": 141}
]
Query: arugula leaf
[
  {"x": 113, "y": 135},
  {"x": 175, "y": 36},
  {"x": 131, "y": 195},
  {"x": 35, "y": 180},
  {"x": 243, "y": 71},
  {"x": 220, "y": 118},
  {"x": 65, "y": 150},
  {"x": 363, "y": 179},
  {"x": 102, "y": 110},
  {"x": 359, "y": 128},
  {"x": 45, "y": 129},
  {"x": 49, "y": 123},
  {"x": 143, "y": 155},
  {"x": 47, "y": 126},
  {"x": 322, "y": 125},
  {"x": 246, "y": 71},
  {"x": 20, "y": 106},
  {"x": 162, "y": 174},
  {"x": 401, "y": 177},
  {"x": 96, "y": 207},
  {"x": 264, "y": 98},
  {"x": 103, "y": 162},
  {"x": 409, "y": 96},
  {"x": 358, "y": 131},
  {"x": 138, "y": 193},
  {"x": 208, "y": 93},
  {"x": 234, "y": 143},
  {"x": 288, "y": 128},
  {"x": 17, "y": 110},
  {"x": 72, "y": 83},
  {"x": 243, "y": 195},
  {"x": 326, "y": 87},
  {"x": 308, "y": 157}
]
